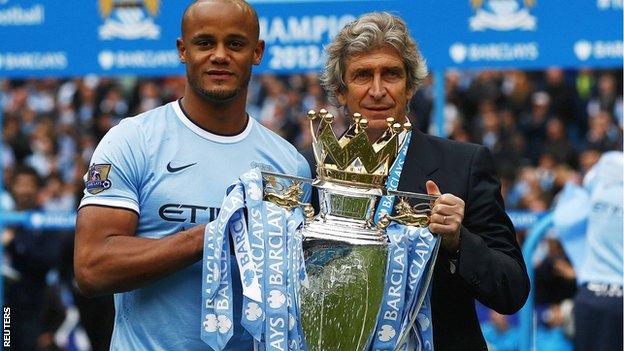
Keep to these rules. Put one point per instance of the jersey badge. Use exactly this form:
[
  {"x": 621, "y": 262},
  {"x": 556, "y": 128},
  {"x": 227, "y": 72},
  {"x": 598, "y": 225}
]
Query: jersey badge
[{"x": 97, "y": 178}]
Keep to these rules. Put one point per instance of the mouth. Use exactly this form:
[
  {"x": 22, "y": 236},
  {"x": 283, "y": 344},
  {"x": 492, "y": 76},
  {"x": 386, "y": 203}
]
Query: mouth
[
  {"x": 376, "y": 111},
  {"x": 378, "y": 108},
  {"x": 219, "y": 74}
]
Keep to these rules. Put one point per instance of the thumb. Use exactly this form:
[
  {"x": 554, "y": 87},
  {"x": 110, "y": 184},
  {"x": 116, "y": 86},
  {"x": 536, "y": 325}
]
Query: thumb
[{"x": 432, "y": 188}]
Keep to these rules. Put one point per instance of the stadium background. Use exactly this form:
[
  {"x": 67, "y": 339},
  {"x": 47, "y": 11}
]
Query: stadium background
[{"x": 538, "y": 83}]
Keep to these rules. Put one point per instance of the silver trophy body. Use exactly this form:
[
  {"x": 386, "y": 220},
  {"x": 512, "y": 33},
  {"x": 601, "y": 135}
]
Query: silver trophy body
[{"x": 345, "y": 257}]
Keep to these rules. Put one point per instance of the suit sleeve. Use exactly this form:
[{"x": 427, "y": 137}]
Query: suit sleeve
[{"x": 490, "y": 260}]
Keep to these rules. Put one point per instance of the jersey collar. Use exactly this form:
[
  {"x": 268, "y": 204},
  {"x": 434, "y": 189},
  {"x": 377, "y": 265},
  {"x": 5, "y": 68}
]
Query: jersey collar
[{"x": 208, "y": 135}]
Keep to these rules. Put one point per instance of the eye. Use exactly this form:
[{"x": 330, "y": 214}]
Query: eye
[
  {"x": 203, "y": 43},
  {"x": 393, "y": 74},
  {"x": 237, "y": 44},
  {"x": 361, "y": 76}
]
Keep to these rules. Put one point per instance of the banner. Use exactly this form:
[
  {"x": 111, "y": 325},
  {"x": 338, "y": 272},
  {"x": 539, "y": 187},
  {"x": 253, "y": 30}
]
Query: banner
[
  {"x": 518, "y": 33},
  {"x": 43, "y": 38}
]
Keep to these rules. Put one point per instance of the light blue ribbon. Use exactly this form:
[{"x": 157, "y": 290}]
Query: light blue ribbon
[
  {"x": 275, "y": 279},
  {"x": 424, "y": 325},
  {"x": 253, "y": 313},
  {"x": 409, "y": 255},
  {"x": 217, "y": 312},
  {"x": 270, "y": 257},
  {"x": 407, "y": 290},
  {"x": 423, "y": 245},
  {"x": 295, "y": 259},
  {"x": 392, "y": 308},
  {"x": 422, "y": 254},
  {"x": 386, "y": 202}
]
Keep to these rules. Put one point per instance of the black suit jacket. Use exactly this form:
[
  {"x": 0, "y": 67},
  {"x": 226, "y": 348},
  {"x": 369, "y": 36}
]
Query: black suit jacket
[{"x": 490, "y": 267}]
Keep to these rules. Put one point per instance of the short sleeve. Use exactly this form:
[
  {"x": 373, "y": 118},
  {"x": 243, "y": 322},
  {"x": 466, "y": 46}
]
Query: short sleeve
[{"x": 115, "y": 172}]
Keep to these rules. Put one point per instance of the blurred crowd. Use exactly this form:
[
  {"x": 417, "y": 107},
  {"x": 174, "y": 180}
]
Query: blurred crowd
[{"x": 544, "y": 128}]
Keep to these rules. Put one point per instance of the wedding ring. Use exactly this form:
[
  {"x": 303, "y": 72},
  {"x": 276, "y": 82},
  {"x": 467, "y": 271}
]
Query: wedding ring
[{"x": 444, "y": 220}]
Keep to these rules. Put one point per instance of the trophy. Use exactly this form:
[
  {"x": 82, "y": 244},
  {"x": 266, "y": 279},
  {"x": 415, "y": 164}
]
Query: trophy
[{"x": 345, "y": 249}]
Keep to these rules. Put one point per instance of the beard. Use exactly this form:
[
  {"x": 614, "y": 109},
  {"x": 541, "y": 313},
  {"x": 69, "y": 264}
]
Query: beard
[{"x": 218, "y": 95}]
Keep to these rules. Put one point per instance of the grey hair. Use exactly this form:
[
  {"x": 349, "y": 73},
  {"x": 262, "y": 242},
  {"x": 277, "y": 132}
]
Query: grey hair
[{"x": 372, "y": 31}]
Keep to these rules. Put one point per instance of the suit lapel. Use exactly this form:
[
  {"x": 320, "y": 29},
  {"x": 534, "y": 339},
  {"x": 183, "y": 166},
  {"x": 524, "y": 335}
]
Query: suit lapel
[{"x": 420, "y": 164}]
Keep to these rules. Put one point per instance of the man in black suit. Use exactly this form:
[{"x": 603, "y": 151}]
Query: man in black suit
[{"x": 374, "y": 67}]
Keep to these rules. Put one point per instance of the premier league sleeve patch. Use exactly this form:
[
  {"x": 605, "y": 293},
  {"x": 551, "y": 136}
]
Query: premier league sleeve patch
[{"x": 97, "y": 178}]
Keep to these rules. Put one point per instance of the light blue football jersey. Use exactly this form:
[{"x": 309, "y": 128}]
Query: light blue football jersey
[
  {"x": 174, "y": 174},
  {"x": 605, "y": 244}
]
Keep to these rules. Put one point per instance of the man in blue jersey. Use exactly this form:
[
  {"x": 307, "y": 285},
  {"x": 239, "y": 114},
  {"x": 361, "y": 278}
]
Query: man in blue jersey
[
  {"x": 598, "y": 301},
  {"x": 156, "y": 179}
]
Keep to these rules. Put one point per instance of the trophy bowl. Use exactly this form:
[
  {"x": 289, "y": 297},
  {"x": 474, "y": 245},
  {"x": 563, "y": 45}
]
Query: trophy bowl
[{"x": 345, "y": 257}]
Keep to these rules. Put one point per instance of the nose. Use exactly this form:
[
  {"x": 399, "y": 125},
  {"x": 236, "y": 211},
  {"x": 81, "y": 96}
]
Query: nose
[
  {"x": 377, "y": 90},
  {"x": 219, "y": 55}
]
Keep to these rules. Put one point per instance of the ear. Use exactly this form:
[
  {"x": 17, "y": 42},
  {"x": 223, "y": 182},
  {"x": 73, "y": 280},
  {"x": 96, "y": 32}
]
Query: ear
[
  {"x": 341, "y": 96},
  {"x": 258, "y": 52},
  {"x": 181, "y": 50},
  {"x": 409, "y": 93}
]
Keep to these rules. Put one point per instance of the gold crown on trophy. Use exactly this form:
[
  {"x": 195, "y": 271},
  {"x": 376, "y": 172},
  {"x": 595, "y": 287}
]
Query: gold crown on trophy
[{"x": 353, "y": 158}]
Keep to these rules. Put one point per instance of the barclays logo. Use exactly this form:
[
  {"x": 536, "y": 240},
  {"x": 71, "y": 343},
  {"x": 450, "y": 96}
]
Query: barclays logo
[
  {"x": 137, "y": 59},
  {"x": 585, "y": 50},
  {"x": 458, "y": 52},
  {"x": 106, "y": 59},
  {"x": 494, "y": 52},
  {"x": 386, "y": 333},
  {"x": 502, "y": 15},
  {"x": 212, "y": 323},
  {"x": 33, "y": 61},
  {"x": 253, "y": 311}
]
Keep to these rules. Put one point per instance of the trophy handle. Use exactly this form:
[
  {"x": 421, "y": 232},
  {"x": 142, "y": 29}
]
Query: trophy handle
[
  {"x": 416, "y": 216},
  {"x": 287, "y": 197}
]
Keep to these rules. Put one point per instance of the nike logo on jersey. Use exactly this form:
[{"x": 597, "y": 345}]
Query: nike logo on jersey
[{"x": 172, "y": 169}]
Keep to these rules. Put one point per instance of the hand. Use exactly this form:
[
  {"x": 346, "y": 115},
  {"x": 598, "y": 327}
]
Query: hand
[
  {"x": 447, "y": 214},
  {"x": 196, "y": 234}
]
